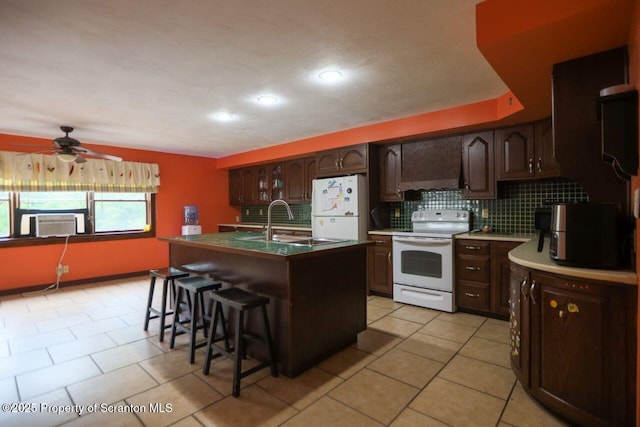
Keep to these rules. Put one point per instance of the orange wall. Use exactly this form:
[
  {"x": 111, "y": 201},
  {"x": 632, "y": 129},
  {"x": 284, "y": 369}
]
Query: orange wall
[
  {"x": 458, "y": 117},
  {"x": 185, "y": 180}
]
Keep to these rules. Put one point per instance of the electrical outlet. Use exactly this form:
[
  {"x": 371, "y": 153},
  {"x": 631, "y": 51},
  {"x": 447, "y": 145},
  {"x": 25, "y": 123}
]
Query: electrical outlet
[
  {"x": 260, "y": 212},
  {"x": 237, "y": 219},
  {"x": 247, "y": 212},
  {"x": 397, "y": 213},
  {"x": 65, "y": 269},
  {"x": 59, "y": 269},
  {"x": 485, "y": 213}
]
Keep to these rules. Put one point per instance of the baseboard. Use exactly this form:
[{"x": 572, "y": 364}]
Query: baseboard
[{"x": 71, "y": 283}]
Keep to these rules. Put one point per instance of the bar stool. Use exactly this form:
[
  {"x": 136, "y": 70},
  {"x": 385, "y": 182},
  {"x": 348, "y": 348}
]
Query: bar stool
[
  {"x": 194, "y": 288},
  {"x": 166, "y": 274},
  {"x": 240, "y": 301}
]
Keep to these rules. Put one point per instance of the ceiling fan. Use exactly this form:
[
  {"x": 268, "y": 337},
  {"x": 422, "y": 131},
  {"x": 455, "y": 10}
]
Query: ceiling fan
[{"x": 70, "y": 149}]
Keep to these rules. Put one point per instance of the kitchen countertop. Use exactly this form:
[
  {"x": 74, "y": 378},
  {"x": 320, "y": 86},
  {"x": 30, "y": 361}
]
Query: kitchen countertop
[
  {"x": 527, "y": 255},
  {"x": 235, "y": 242},
  {"x": 260, "y": 226}
]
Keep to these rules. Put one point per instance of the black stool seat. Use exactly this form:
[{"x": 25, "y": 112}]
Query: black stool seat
[
  {"x": 241, "y": 301},
  {"x": 194, "y": 288},
  {"x": 166, "y": 275}
]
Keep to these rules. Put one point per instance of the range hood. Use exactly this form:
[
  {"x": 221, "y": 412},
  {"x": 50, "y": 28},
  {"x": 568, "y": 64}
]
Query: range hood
[{"x": 434, "y": 164}]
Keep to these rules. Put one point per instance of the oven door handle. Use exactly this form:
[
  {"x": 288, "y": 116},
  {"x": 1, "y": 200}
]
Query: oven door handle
[{"x": 423, "y": 241}]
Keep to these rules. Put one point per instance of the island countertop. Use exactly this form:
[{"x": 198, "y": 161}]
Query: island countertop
[{"x": 240, "y": 242}]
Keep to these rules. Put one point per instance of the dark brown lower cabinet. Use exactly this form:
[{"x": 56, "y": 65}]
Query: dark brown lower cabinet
[
  {"x": 573, "y": 345},
  {"x": 380, "y": 266}
]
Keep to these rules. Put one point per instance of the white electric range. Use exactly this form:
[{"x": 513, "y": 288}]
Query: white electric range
[{"x": 423, "y": 259}]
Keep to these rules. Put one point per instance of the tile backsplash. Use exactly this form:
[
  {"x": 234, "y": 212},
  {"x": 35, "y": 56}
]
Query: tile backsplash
[{"x": 512, "y": 212}]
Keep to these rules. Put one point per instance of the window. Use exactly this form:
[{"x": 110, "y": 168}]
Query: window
[
  {"x": 96, "y": 213},
  {"x": 120, "y": 212},
  {"x": 5, "y": 210}
]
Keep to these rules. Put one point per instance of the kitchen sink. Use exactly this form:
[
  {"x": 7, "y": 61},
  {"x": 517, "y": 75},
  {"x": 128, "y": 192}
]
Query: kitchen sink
[{"x": 295, "y": 240}]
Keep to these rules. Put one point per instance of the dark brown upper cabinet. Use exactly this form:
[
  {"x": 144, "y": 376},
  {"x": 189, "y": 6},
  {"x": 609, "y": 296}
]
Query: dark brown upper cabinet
[
  {"x": 478, "y": 172},
  {"x": 391, "y": 173},
  {"x": 298, "y": 177},
  {"x": 546, "y": 162},
  {"x": 342, "y": 161},
  {"x": 243, "y": 186},
  {"x": 515, "y": 152}
]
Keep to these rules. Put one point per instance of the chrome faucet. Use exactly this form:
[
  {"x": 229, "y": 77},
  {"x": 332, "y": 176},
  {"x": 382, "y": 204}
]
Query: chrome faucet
[{"x": 275, "y": 202}]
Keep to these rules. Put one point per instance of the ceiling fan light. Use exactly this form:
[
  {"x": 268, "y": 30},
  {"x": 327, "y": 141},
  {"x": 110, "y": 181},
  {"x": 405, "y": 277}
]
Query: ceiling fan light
[{"x": 66, "y": 157}]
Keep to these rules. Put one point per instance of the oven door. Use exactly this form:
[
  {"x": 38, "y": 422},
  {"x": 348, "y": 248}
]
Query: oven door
[{"x": 425, "y": 262}]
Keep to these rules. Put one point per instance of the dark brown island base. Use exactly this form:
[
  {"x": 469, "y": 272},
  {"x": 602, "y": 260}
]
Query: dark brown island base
[{"x": 317, "y": 292}]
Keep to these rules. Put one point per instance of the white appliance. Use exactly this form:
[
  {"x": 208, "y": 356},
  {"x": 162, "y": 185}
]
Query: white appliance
[
  {"x": 339, "y": 208},
  {"x": 188, "y": 230},
  {"x": 60, "y": 225},
  {"x": 423, "y": 259}
]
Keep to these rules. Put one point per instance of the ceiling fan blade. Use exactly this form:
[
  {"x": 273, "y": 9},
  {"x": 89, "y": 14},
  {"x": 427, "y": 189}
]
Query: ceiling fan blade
[
  {"x": 15, "y": 144},
  {"x": 96, "y": 154}
]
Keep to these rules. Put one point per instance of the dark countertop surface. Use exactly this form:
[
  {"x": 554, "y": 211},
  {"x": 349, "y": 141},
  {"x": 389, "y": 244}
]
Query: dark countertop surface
[{"x": 239, "y": 242}]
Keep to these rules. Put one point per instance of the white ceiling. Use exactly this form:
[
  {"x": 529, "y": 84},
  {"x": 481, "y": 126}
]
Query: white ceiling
[{"x": 147, "y": 74}]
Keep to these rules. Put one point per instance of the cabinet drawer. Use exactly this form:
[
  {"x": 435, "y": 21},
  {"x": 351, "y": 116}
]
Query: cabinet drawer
[
  {"x": 475, "y": 268},
  {"x": 381, "y": 240},
  {"x": 472, "y": 295},
  {"x": 473, "y": 247}
]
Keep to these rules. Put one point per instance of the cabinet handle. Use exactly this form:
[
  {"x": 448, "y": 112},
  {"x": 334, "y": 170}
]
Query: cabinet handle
[
  {"x": 561, "y": 314},
  {"x": 389, "y": 258},
  {"x": 539, "y": 164},
  {"x": 398, "y": 191},
  {"x": 531, "y": 166},
  {"x": 341, "y": 163},
  {"x": 336, "y": 163},
  {"x": 471, "y": 268},
  {"x": 523, "y": 289},
  {"x": 472, "y": 248},
  {"x": 469, "y": 294},
  {"x": 531, "y": 290}
]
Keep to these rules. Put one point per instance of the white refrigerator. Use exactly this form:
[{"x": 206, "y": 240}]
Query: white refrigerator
[{"x": 339, "y": 208}]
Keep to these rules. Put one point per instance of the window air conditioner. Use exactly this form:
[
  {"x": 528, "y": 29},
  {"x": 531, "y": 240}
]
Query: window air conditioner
[{"x": 55, "y": 225}]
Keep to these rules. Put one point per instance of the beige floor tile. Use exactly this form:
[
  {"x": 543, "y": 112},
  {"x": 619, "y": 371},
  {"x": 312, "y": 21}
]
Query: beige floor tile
[
  {"x": 190, "y": 421},
  {"x": 376, "y": 313},
  {"x": 18, "y": 331},
  {"x": 133, "y": 318},
  {"x": 34, "y": 342},
  {"x": 40, "y": 315},
  {"x": 98, "y": 327},
  {"x": 112, "y": 387},
  {"x": 457, "y": 405},
  {"x": 102, "y": 417},
  {"x": 51, "y": 378},
  {"x": 220, "y": 374},
  {"x": 328, "y": 412},
  {"x": 49, "y": 325},
  {"x": 169, "y": 366},
  {"x": 43, "y": 416},
  {"x": 406, "y": 367},
  {"x": 346, "y": 362},
  {"x": 80, "y": 307},
  {"x": 415, "y": 314},
  {"x": 481, "y": 376},
  {"x": 71, "y": 350},
  {"x": 453, "y": 331},
  {"x": 25, "y": 362},
  {"x": 134, "y": 333},
  {"x": 8, "y": 390},
  {"x": 113, "y": 311},
  {"x": 394, "y": 326},
  {"x": 384, "y": 302},
  {"x": 380, "y": 397},
  {"x": 412, "y": 418},
  {"x": 462, "y": 318},
  {"x": 435, "y": 348},
  {"x": 488, "y": 351},
  {"x": 185, "y": 395},
  {"x": 494, "y": 331},
  {"x": 376, "y": 342},
  {"x": 302, "y": 390},
  {"x": 253, "y": 407},
  {"x": 117, "y": 357},
  {"x": 523, "y": 411}
]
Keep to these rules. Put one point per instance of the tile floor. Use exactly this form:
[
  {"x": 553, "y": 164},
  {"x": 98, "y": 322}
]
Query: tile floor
[{"x": 83, "y": 348}]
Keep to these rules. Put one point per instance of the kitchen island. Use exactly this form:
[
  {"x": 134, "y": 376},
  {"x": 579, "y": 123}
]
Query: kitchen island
[{"x": 317, "y": 292}]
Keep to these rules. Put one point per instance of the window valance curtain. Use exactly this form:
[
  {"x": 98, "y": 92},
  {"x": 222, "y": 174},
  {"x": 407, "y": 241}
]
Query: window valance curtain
[{"x": 45, "y": 172}]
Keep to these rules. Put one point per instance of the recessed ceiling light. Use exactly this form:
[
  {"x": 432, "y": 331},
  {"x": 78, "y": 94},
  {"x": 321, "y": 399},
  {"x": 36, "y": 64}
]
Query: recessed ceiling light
[
  {"x": 223, "y": 116},
  {"x": 267, "y": 99},
  {"x": 330, "y": 76}
]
